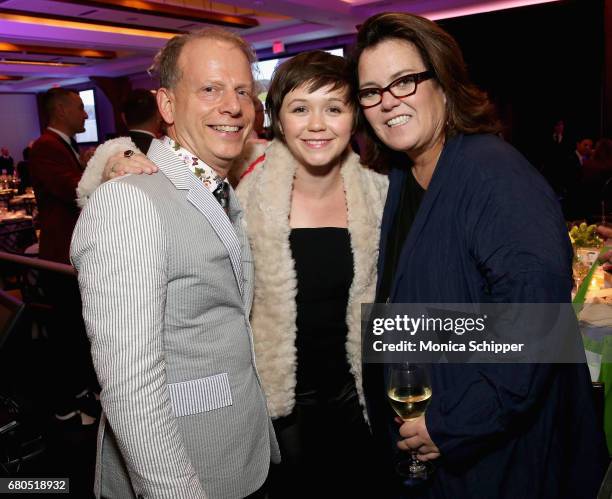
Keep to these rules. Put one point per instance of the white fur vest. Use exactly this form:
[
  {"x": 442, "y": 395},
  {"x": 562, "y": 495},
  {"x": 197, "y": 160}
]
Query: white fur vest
[{"x": 265, "y": 195}]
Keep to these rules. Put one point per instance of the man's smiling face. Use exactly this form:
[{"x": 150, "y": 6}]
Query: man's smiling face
[{"x": 210, "y": 109}]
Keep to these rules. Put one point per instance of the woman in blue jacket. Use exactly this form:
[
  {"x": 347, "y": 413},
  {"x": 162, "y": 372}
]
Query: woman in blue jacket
[{"x": 469, "y": 220}]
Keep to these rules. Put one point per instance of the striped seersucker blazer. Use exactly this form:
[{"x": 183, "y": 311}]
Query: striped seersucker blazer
[{"x": 167, "y": 285}]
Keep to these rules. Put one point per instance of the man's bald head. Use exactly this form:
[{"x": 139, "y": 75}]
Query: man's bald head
[{"x": 166, "y": 62}]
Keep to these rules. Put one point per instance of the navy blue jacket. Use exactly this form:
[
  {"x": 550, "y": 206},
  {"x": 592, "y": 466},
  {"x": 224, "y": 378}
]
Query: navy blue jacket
[{"x": 489, "y": 229}]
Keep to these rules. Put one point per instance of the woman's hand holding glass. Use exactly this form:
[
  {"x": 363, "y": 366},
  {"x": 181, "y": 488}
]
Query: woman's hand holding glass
[
  {"x": 416, "y": 438},
  {"x": 119, "y": 164},
  {"x": 409, "y": 392}
]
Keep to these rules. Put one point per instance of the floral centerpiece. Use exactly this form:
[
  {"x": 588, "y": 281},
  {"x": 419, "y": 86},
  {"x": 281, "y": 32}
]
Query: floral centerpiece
[{"x": 585, "y": 236}]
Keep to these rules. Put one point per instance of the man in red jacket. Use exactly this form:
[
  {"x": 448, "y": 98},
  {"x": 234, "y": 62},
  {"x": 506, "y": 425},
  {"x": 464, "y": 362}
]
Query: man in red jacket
[{"x": 56, "y": 169}]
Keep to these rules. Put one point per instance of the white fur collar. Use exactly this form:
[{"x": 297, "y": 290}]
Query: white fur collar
[
  {"x": 266, "y": 197},
  {"x": 92, "y": 176}
]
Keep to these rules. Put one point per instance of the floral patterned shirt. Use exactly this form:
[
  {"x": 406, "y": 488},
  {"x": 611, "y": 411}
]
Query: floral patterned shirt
[{"x": 205, "y": 173}]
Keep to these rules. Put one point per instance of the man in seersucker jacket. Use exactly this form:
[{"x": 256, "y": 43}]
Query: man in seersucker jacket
[{"x": 166, "y": 278}]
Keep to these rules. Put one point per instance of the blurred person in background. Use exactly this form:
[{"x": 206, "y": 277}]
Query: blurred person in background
[
  {"x": 553, "y": 155},
  {"x": 23, "y": 170},
  {"x": 596, "y": 182},
  {"x": 142, "y": 118},
  {"x": 259, "y": 132},
  {"x": 7, "y": 163},
  {"x": 571, "y": 173},
  {"x": 254, "y": 146},
  {"x": 606, "y": 233},
  {"x": 584, "y": 149},
  {"x": 144, "y": 123},
  {"x": 55, "y": 171}
]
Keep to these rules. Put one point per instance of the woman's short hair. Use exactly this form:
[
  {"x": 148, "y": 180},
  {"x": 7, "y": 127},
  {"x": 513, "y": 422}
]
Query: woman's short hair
[
  {"x": 468, "y": 109},
  {"x": 315, "y": 69}
]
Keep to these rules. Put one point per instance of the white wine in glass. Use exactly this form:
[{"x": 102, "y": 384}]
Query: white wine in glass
[
  {"x": 409, "y": 402},
  {"x": 409, "y": 392}
]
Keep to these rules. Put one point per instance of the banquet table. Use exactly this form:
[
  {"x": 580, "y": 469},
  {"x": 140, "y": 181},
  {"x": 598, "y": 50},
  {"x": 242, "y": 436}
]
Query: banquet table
[
  {"x": 16, "y": 232},
  {"x": 26, "y": 202}
]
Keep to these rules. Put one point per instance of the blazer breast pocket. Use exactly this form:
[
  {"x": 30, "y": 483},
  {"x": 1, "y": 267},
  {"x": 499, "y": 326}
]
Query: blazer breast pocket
[{"x": 200, "y": 395}]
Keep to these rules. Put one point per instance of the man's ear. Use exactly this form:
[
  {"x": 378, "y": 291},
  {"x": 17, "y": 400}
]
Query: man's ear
[
  {"x": 165, "y": 104},
  {"x": 60, "y": 111}
]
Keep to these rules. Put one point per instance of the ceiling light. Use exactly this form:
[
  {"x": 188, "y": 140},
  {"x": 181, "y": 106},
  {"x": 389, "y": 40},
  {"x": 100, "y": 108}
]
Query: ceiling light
[
  {"x": 84, "y": 26},
  {"x": 60, "y": 51},
  {"x": 481, "y": 8},
  {"x": 40, "y": 63}
]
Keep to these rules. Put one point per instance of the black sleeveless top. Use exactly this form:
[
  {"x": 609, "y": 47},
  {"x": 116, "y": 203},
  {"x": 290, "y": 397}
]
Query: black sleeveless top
[
  {"x": 324, "y": 268},
  {"x": 410, "y": 199}
]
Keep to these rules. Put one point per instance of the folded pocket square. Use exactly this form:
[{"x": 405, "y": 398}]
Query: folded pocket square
[{"x": 200, "y": 395}]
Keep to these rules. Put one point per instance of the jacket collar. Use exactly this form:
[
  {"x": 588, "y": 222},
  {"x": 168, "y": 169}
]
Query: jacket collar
[
  {"x": 444, "y": 168},
  {"x": 60, "y": 134},
  {"x": 275, "y": 187},
  {"x": 67, "y": 145},
  {"x": 203, "y": 200}
]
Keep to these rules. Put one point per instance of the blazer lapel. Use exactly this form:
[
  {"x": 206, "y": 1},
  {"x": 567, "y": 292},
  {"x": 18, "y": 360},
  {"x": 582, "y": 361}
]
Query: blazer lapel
[
  {"x": 440, "y": 176},
  {"x": 237, "y": 217},
  {"x": 203, "y": 200},
  {"x": 68, "y": 148}
]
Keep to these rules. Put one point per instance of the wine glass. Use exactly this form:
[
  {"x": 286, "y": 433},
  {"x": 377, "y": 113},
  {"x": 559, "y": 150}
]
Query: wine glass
[{"x": 409, "y": 392}]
